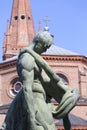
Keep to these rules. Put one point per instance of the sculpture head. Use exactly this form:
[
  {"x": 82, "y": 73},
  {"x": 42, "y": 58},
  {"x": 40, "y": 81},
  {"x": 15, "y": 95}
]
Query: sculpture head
[{"x": 42, "y": 41}]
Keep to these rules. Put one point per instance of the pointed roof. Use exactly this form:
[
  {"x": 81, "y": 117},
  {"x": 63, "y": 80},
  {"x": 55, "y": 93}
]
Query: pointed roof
[
  {"x": 21, "y": 27},
  {"x": 22, "y": 20}
]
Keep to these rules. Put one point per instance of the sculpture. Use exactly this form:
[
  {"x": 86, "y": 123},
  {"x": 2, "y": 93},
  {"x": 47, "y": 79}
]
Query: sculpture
[{"x": 29, "y": 110}]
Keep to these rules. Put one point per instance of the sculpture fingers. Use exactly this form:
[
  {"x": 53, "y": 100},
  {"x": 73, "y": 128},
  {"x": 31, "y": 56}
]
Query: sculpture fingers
[
  {"x": 65, "y": 99},
  {"x": 68, "y": 101},
  {"x": 64, "y": 112},
  {"x": 60, "y": 110},
  {"x": 68, "y": 107}
]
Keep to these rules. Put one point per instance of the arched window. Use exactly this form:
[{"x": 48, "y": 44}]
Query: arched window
[{"x": 63, "y": 78}]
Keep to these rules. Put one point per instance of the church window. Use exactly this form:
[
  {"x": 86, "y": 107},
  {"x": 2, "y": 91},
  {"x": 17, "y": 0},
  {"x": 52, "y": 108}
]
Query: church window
[
  {"x": 15, "y": 87},
  {"x": 16, "y": 17},
  {"x": 63, "y": 78},
  {"x": 22, "y": 17},
  {"x": 29, "y": 18}
]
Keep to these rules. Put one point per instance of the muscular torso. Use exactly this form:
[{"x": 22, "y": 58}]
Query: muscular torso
[
  {"x": 38, "y": 82},
  {"x": 27, "y": 62}
]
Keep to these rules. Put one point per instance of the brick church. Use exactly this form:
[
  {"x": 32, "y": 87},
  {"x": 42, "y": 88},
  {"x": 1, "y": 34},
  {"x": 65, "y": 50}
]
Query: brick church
[{"x": 70, "y": 66}]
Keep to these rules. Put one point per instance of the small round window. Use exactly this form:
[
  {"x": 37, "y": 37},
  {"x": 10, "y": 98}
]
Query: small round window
[
  {"x": 15, "y": 87},
  {"x": 29, "y": 18},
  {"x": 22, "y": 17},
  {"x": 16, "y": 17}
]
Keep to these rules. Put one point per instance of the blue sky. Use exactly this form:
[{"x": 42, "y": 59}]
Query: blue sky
[{"x": 68, "y": 21}]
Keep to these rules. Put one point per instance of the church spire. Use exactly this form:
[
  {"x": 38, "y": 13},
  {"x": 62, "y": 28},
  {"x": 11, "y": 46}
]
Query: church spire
[{"x": 21, "y": 28}]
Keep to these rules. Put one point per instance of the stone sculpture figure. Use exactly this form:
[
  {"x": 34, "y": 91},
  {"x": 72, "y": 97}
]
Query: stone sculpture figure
[{"x": 29, "y": 110}]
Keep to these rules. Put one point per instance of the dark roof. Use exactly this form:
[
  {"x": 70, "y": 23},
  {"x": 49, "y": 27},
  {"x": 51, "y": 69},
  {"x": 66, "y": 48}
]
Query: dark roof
[
  {"x": 75, "y": 121},
  {"x": 56, "y": 50}
]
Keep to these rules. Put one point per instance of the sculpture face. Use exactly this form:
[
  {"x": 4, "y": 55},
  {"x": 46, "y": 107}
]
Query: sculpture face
[
  {"x": 43, "y": 41},
  {"x": 41, "y": 47}
]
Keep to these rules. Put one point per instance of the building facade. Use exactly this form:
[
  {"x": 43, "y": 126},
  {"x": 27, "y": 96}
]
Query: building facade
[{"x": 70, "y": 66}]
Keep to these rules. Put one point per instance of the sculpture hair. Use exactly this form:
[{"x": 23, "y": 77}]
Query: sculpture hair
[{"x": 44, "y": 37}]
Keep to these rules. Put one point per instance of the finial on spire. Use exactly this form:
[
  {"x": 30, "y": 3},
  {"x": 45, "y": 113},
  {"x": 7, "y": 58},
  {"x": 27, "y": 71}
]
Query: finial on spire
[{"x": 46, "y": 20}]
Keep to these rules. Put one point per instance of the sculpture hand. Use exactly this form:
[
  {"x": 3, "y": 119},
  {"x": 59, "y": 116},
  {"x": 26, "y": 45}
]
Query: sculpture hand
[{"x": 68, "y": 101}]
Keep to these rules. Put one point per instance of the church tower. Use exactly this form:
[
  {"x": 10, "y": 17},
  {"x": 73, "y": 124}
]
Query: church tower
[{"x": 20, "y": 29}]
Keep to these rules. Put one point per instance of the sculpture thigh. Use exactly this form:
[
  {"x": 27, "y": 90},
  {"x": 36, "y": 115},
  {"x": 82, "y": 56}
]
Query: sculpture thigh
[{"x": 43, "y": 113}]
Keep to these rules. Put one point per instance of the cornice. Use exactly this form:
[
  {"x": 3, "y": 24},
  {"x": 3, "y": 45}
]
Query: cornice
[
  {"x": 9, "y": 64},
  {"x": 47, "y": 57},
  {"x": 65, "y": 58}
]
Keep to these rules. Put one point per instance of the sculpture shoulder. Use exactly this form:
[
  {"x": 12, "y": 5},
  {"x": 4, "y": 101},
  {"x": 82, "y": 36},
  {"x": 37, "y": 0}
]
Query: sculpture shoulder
[{"x": 26, "y": 61}]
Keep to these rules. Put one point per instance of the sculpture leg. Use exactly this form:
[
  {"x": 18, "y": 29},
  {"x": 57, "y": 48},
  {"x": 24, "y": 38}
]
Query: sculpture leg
[
  {"x": 66, "y": 123},
  {"x": 43, "y": 113}
]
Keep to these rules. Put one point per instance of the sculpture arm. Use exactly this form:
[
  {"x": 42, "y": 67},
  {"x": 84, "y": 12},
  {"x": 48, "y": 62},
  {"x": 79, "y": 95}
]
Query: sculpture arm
[
  {"x": 25, "y": 69},
  {"x": 49, "y": 71}
]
